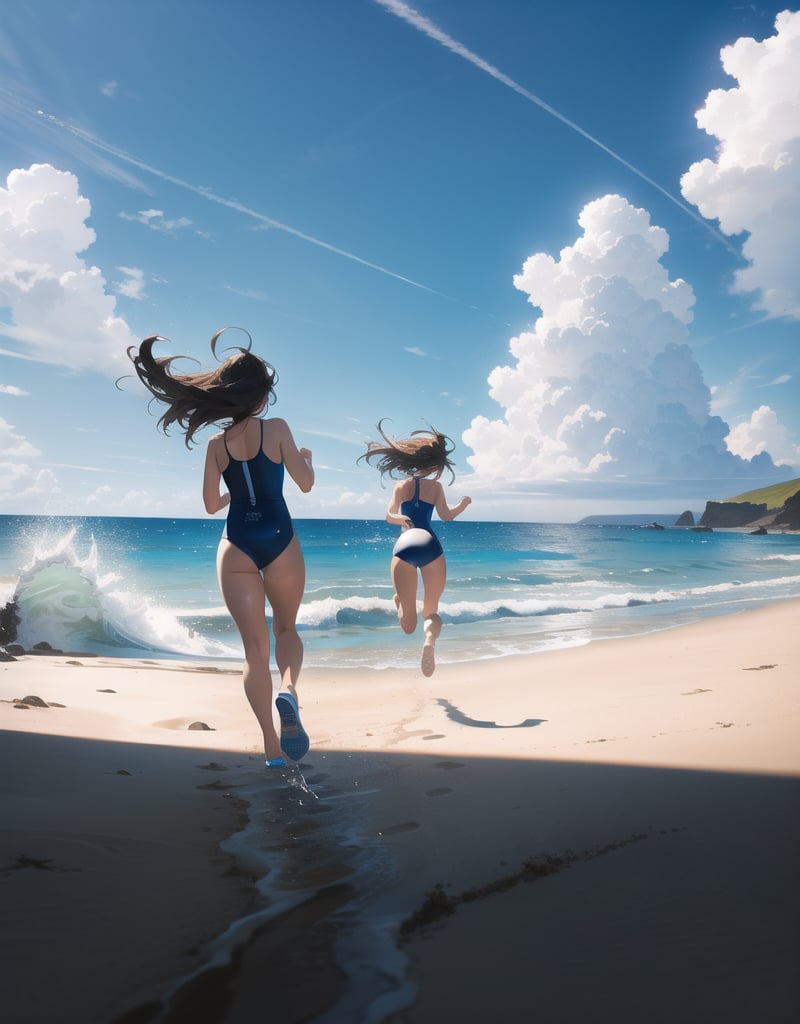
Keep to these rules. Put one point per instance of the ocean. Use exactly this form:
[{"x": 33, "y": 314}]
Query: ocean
[
  {"x": 138, "y": 587},
  {"x": 146, "y": 588}
]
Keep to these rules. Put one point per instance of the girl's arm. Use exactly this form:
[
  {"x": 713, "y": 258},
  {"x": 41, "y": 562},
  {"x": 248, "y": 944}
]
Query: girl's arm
[
  {"x": 444, "y": 511},
  {"x": 212, "y": 475},
  {"x": 393, "y": 514},
  {"x": 298, "y": 461}
]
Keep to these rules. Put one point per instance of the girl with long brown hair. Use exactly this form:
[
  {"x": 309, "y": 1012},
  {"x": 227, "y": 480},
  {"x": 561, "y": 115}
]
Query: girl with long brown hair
[
  {"x": 421, "y": 459},
  {"x": 259, "y": 556}
]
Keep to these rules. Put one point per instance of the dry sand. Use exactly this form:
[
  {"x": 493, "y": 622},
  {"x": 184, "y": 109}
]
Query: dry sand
[{"x": 607, "y": 833}]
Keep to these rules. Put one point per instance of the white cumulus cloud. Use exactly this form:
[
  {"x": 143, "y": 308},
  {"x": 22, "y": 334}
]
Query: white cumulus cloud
[
  {"x": 763, "y": 433},
  {"x": 753, "y": 184},
  {"x": 603, "y": 385},
  {"x": 60, "y": 309}
]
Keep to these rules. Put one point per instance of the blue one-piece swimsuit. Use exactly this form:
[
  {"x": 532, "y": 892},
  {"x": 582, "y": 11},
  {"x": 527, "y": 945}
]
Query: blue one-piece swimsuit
[
  {"x": 258, "y": 521},
  {"x": 417, "y": 545}
]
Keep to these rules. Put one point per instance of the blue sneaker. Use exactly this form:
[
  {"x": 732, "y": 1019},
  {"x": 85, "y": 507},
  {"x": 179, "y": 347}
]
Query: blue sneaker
[{"x": 294, "y": 739}]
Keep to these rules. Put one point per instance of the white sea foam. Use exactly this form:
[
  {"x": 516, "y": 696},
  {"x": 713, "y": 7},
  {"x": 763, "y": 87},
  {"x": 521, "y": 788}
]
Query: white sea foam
[
  {"x": 125, "y": 587},
  {"x": 64, "y": 600}
]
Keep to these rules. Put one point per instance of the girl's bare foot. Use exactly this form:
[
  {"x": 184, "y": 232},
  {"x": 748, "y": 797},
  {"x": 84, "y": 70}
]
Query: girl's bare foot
[{"x": 433, "y": 627}]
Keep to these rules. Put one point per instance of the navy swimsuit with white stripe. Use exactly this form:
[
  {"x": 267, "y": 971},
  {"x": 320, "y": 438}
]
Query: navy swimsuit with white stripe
[
  {"x": 258, "y": 522},
  {"x": 418, "y": 545}
]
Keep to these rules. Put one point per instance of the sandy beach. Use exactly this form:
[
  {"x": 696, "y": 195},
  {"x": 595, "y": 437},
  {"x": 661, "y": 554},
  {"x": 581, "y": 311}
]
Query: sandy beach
[{"x": 609, "y": 832}]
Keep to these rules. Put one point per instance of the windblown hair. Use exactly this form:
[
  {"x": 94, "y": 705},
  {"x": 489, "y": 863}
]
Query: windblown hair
[
  {"x": 423, "y": 452},
  {"x": 236, "y": 389}
]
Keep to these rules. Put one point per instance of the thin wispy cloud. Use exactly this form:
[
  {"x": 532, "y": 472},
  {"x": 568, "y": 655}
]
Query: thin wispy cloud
[
  {"x": 249, "y": 293},
  {"x": 156, "y": 221},
  {"x": 432, "y": 31},
  {"x": 132, "y": 285},
  {"x": 230, "y": 204}
]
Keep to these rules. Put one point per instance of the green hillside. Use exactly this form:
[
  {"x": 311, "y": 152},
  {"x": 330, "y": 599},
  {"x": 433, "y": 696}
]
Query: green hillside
[{"x": 774, "y": 496}]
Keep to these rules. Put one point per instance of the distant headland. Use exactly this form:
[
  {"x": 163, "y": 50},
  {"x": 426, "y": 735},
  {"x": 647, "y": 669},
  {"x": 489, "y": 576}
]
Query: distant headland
[{"x": 775, "y": 508}]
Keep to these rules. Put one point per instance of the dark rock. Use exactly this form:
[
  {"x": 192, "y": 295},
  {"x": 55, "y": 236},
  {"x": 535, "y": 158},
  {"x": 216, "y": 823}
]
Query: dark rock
[
  {"x": 730, "y": 514},
  {"x": 9, "y": 622},
  {"x": 652, "y": 526},
  {"x": 43, "y": 647},
  {"x": 35, "y": 702},
  {"x": 759, "y": 532},
  {"x": 789, "y": 516},
  {"x": 17, "y": 650},
  {"x": 6, "y": 655},
  {"x": 201, "y": 725},
  {"x": 685, "y": 519},
  {"x": 702, "y": 529}
]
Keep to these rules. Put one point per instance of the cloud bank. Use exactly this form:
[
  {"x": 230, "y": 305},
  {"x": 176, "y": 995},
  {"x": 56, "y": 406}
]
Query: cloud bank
[
  {"x": 604, "y": 385},
  {"x": 60, "y": 309},
  {"x": 753, "y": 184},
  {"x": 763, "y": 433}
]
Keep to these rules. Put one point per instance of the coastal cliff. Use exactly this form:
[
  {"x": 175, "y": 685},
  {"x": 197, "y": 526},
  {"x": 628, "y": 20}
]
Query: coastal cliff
[
  {"x": 777, "y": 507},
  {"x": 732, "y": 513}
]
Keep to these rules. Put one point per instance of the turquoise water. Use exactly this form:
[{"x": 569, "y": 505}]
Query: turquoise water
[{"x": 133, "y": 587}]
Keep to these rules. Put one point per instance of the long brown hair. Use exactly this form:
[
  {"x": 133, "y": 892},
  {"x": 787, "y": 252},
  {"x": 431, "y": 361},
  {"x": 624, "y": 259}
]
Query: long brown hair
[
  {"x": 236, "y": 389},
  {"x": 422, "y": 452}
]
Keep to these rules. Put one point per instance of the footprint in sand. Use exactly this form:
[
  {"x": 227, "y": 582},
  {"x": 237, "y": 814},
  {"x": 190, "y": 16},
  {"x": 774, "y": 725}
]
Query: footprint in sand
[{"x": 393, "y": 830}]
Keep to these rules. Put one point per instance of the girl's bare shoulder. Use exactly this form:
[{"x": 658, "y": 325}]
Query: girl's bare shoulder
[
  {"x": 430, "y": 491},
  {"x": 275, "y": 426},
  {"x": 404, "y": 487}
]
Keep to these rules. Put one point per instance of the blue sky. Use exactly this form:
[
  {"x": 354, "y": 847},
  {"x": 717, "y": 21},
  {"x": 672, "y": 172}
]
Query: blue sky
[{"x": 566, "y": 234}]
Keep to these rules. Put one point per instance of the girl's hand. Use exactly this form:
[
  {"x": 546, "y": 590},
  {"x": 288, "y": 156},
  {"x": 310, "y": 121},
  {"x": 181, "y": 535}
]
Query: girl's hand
[
  {"x": 306, "y": 453},
  {"x": 466, "y": 501}
]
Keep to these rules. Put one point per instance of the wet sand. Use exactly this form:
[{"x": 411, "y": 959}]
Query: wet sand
[{"x": 604, "y": 833}]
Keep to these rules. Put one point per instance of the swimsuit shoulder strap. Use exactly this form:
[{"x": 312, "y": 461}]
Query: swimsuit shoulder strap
[{"x": 416, "y": 490}]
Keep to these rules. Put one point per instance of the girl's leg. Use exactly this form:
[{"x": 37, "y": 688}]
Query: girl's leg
[
  {"x": 284, "y": 583},
  {"x": 242, "y": 590},
  {"x": 434, "y": 577},
  {"x": 404, "y": 578}
]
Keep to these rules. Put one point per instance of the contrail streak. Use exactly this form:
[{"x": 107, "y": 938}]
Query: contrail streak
[
  {"x": 432, "y": 31},
  {"x": 231, "y": 204}
]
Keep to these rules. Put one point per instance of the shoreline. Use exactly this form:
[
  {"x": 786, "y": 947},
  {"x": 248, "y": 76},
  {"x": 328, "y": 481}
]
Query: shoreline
[{"x": 619, "y": 761}]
